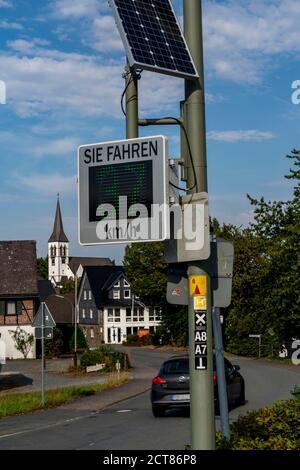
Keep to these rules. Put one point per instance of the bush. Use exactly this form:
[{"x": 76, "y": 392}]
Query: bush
[
  {"x": 55, "y": 347},
  {"x": 104, "y": 355},
  {"x": 276, "y": 428},
  {"x": 81, "y": 340},
  {"x": 146, "y": 340},
  {"x": 133, "y": 339}
]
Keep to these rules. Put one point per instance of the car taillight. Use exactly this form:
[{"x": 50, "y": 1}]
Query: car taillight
[
  {"x": 215, "y": 377},
  {"x": 159, "y": 381}
]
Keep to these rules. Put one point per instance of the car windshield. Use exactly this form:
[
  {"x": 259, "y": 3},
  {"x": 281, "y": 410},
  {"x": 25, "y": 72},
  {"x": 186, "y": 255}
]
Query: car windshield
[{"x": 178, "y": 366}]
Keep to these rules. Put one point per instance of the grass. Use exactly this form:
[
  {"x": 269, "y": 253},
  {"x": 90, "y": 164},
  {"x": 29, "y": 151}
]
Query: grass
[{"x": 21, "y": 403}]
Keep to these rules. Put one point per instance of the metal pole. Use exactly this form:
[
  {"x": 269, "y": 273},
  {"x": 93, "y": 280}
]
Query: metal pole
[
  {"x": 221, "y": 377},
  {"x": 201, "y": 381},
  {"x": 132, "y": 114},
  {"x": 43, "y": 353},
  {"x": 75, "y": 321},
  {"x": 259, "y": 347}
]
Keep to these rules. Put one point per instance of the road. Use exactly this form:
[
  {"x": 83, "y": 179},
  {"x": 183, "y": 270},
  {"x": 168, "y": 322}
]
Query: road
[{"x": 129, "y": 425}]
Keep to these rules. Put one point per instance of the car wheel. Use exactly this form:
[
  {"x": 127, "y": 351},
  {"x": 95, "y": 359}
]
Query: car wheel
[{"x": 158, "y": 412}]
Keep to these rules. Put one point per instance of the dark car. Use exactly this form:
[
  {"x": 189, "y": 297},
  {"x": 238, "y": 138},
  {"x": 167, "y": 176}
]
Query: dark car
[{"x": 171, "y": 388}]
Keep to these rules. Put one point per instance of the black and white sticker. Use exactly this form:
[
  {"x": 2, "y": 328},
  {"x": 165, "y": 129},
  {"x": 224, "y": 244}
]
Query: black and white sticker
[{"x": 200, "y": 340}]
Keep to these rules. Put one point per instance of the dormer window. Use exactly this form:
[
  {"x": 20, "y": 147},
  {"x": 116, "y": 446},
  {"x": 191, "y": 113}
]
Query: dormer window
[
  {"x": 117, "y": 284},
  {"x": 126, "y": 284}
]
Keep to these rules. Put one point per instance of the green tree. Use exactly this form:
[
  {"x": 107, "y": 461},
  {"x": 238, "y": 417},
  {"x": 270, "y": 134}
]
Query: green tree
[
  {"x": 42, "y": 267},
  {"x": 68, "y": 287},
  {"x": 266, "y": 274},
  {"x": 147, "y": 271}
]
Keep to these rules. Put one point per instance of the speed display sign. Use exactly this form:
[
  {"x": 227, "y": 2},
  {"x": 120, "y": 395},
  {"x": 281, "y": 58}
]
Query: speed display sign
[{"x": 123, "y": 191}]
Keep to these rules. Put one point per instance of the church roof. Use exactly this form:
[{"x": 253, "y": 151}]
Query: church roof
[{"x": 58, "y": 234}]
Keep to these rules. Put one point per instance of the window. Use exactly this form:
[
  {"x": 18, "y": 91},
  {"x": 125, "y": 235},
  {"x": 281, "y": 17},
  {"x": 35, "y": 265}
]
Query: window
[
  {"x": 126, "y": 284},
  {"x": 138, "y": 314},
  {"x": 154, "y": 314},
  {"x": 63, "y": 260},
  {"x": 117, "y": 284},
  {"x": 91, "y": 314},
  {"x": 84, "y": 295},
  {"x": 128, "y": 315},
  {"x": 83, "y": 313},
  {"x": 127, "y": 294},
  {"x": 11, "y": 308},
  {"x": 116, "y": 295},
  {"x": 92, "y": 333},
  {"x": 117, "y": 315},
  {"x": 114, "y": 315},
  {"x": 110, "y": 315},
  {"x": 53, "y": 261},
  {"x": 90, "y": 295}
]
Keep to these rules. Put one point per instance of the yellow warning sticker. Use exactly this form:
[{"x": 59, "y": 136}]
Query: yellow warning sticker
[
  {"x": 198, "y": 285},
  {"x": 200, "y": 302}
]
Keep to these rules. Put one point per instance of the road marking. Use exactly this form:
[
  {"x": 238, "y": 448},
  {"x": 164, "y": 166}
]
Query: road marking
[{"x": 124, "y": 411}]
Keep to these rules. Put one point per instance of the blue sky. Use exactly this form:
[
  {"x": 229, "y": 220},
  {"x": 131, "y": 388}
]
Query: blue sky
[{"x": 62, "y": 62}]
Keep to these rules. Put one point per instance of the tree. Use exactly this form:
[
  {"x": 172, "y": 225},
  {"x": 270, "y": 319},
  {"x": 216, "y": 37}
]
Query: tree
[
  {"x": 42, "y": 267},
  {"x": 147, "y": 271},
  {"x": 266, "y": 274},
  {"x": 23, "y": 341},
  {"x": 68, "y": 287}
]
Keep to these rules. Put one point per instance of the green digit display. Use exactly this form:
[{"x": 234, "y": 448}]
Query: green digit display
[{"x": 108, "y": 183}]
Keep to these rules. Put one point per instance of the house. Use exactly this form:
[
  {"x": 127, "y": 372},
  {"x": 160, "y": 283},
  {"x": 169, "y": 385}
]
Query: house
[
  {"x": 19, "y": 294},
  {"x": 61, "y": 264},
  {"x": 108, "y": 312}
]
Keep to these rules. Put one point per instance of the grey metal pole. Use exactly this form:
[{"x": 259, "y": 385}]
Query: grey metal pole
[
  {"x": 201, "y": 381},
  {"x": 43, "y": 353},
  {"x": 195, "y": 95},
  {"x": 221, "y": 377},
  {"x": 75, "y": 321},
  {"x": 132, "y": 114}
]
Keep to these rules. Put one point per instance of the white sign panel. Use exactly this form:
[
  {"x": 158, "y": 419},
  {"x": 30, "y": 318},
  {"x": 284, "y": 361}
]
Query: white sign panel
[{"x": 123, "y": 191}]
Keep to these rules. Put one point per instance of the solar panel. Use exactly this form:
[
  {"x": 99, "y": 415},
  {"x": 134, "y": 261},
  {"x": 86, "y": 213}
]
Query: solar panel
[{"x": 152, "y": 37}]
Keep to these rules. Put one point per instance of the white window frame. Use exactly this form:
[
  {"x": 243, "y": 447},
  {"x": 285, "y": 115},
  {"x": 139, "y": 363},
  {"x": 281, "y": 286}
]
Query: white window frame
[
  {"x": 92, "y": 331},
  {"x": 11, "y": 304},
  {"x": 91, "y": 314},
  {"x": 116, "y": 295},
  {"x": 126, "y": 283},
  {"x": 83, "y": 313},
  {"x": 90, "y": 295},
  {"x": 127, "y": 296},
  {"x": 84, "y": 295}
]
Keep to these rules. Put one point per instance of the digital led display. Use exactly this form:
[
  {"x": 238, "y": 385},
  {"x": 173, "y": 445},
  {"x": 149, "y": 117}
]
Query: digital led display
[{"x": 107, "y": 183}]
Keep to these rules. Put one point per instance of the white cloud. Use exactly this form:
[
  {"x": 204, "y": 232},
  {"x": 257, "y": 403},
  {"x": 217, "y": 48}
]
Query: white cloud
[
  {"x": 5, "y": 4},
  {"x": 10, "y": 25},
  {"x": 75, "y": 8},
  {"x": 61, "y": 147},
  {"x": 105, "y": 36},
  {"x": 241, "y": 37},
  {"x": 49, "y": 184},
  {"x": 240, "y": 136},
  {"x": 41, "y": 80},
  {"x": 24, "y": 46}
]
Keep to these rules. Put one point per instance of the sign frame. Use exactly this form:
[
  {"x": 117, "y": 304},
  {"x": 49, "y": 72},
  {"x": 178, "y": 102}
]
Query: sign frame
[{"x": 160, "y": 191}]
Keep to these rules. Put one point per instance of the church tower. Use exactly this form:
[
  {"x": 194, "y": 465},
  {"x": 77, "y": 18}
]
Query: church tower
[{"x": 58, "y": 250}]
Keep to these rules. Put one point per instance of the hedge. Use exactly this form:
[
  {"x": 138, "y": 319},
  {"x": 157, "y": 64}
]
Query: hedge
[{"x": 276, "y": 428}]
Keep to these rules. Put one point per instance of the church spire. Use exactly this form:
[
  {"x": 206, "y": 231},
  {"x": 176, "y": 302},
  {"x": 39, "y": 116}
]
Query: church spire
[{"x": 58, "y": 234}]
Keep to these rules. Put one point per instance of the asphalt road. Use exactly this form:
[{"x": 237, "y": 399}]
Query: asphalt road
[{"x": 129, "y": 425}]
